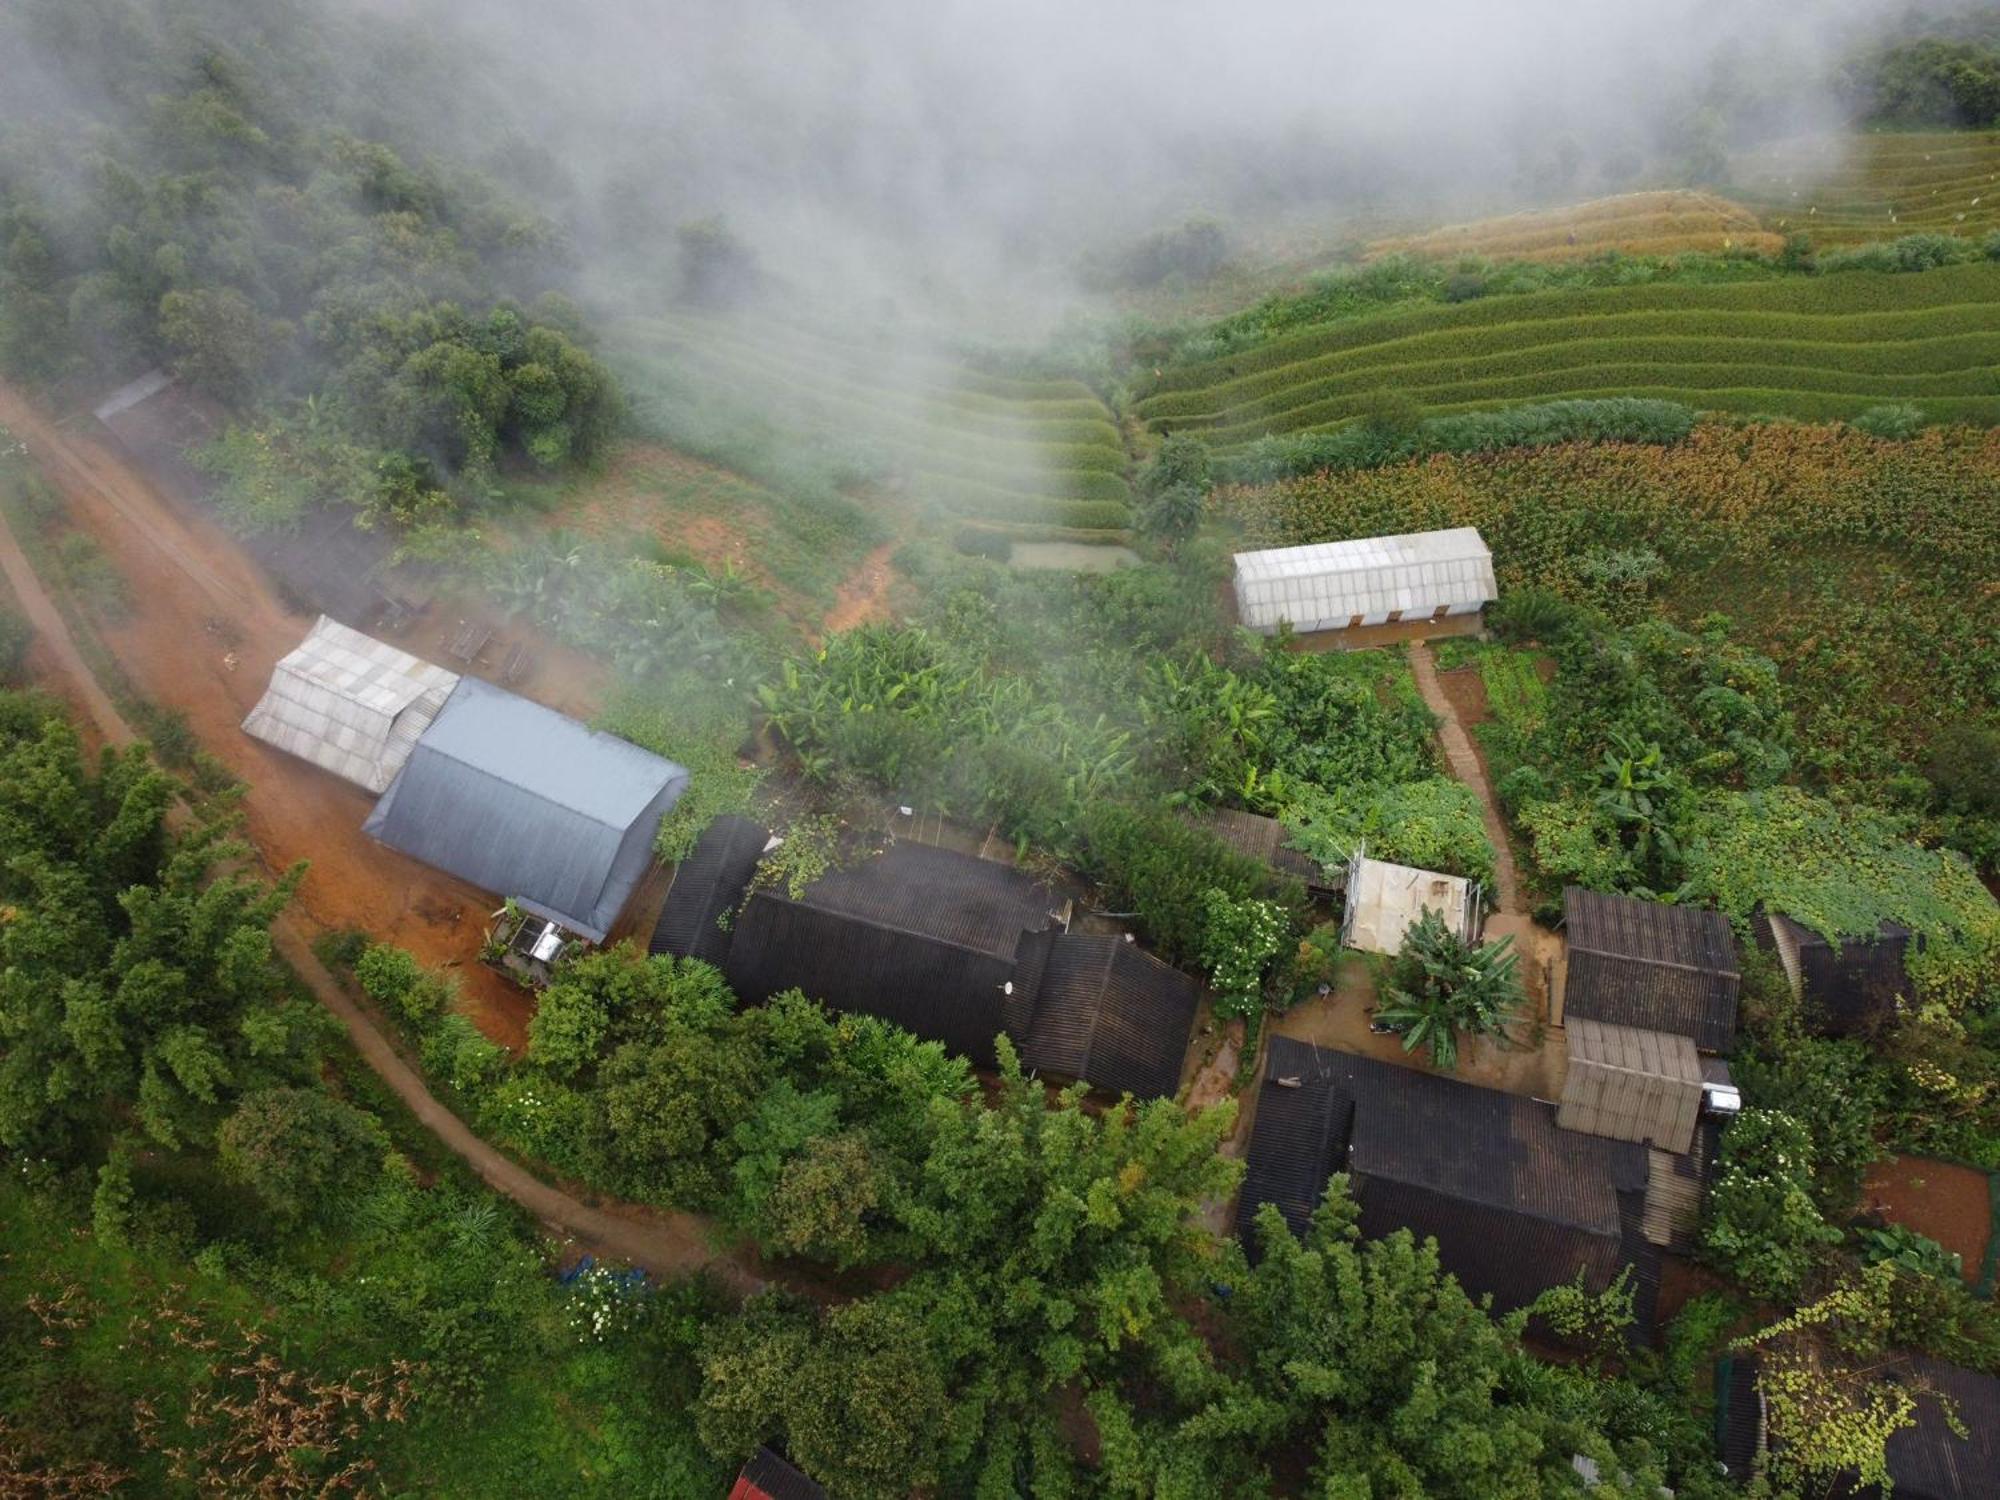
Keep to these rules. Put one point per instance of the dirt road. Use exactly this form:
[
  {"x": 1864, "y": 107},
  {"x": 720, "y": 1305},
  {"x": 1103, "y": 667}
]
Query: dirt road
[
  {"x": 864, "y": 595},
  {"x": 660, "y": 1241},
  {"x": 201, "y": 634}
]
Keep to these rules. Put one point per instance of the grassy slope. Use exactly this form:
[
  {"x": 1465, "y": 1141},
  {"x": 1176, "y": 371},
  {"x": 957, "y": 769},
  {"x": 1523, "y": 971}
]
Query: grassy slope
[
  {"x": 977, "y": 445},
  {"x": 1824, "y": 347}
]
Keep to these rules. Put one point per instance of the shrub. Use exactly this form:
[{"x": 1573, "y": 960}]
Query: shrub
[
  {"x": 1239, "y": 940},
  {"x": 392, "y": 977},
  {"x": 1898, "y": 423},
  {"x": 1763, "y": 1225}
]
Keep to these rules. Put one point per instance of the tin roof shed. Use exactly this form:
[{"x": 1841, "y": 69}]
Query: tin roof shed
[
  {"x": 1332, "y": 585},
  {"x": 1651, "y": 964},
  {"x": 521, "y": 800},
  {"x": 1385, "y": 900},
  {"x": 1631, "y": 1084},
  {"x": 350, "y": 704}
]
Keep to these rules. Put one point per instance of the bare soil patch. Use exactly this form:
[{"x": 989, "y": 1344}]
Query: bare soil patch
[
  {"x": 1952, "y": 1204},
  {"x": 1465, "y": 689}
]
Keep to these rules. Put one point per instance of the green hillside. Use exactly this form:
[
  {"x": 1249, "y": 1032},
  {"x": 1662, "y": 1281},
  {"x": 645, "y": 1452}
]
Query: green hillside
[
  {"x": 982, "y": 446},
  {"x": 1823, "y": 347}
]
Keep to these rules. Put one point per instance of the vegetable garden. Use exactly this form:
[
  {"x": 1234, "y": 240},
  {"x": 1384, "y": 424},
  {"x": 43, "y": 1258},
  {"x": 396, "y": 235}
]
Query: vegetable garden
[
  {"x": 1861, "y": 566},
  {"x": 1830, "y": 346}
]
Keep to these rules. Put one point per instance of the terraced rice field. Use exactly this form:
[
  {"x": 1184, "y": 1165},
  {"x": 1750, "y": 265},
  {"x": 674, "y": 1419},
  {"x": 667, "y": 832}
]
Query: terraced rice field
[
  {"x": 1659, "y": 223},
  {"x": 1850, "y": 189},
  {"x": 990, "y": 448},
  {"x": 1823, "y": 347}
]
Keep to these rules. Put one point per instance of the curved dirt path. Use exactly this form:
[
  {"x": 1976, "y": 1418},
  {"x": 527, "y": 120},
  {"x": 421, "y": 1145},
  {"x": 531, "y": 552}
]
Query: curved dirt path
[
  {"x": 1465, "y": 766},
  {"x": 658, "y": 1240},
  {"x": 864, "y": 595}
]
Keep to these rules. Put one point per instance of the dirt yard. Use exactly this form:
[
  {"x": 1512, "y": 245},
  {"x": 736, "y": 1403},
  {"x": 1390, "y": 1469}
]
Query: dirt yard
[
  {"x": 1949, "y": 1203},
  {"x": 201, "y": 634}
]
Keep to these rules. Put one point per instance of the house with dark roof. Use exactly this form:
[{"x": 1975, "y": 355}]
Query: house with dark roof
[
  {"x": 1651, "y": 965},
  {"x": 920, "y": 936},
  {"x": 1515, "y": 1203},
  {"x": 1927, "y": 1461},
  {"x": 1257, "y": 837},
  {"x": 1104, "y": 1010},
  {"x": 523, "y": 801},
  {"x": 707, "y": 888},
  {"x": 956, "y": 949},
  {"x": 768, "y": 1477},
  {"x": 1846, "y": 985}
]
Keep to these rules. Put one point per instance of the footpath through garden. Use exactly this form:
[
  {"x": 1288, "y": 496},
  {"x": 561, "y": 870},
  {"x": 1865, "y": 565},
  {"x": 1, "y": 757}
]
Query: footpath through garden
[
  {"x": 1541, "y": 950},
  {"x": 661, "y": 1241}
]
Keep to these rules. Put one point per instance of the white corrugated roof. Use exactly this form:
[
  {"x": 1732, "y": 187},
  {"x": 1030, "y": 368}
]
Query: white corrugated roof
[
  {"x": 1384, "y": 900},
  {"x": 350, "y": 704},
  {"x": 1326, "y": 584}
]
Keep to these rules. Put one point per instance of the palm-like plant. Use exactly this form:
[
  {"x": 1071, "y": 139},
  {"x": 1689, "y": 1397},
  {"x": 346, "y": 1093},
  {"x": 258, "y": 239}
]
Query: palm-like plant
[{"x": 1442, "y": 987}]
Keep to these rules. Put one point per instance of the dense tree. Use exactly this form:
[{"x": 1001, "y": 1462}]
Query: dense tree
[
  {"x": 305, "y": 1153},
  {"x": 135, "y": 978}
]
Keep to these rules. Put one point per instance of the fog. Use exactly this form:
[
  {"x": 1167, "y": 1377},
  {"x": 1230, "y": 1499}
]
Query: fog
[{"x": 970, "y": 150}]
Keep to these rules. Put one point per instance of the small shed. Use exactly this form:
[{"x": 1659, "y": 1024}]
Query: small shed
[
  {"x": 350, "y": 704},
  {"x": 1651, "y": 965},
  {"x": 1424, "y": 575},
  {"x": 526, "y": 802},
  {"x": 768, "y": 1477},
  {"x": 1385, "y": 900},
  {"x": 1847, "y": 985},
  {"x": 1104, "y": 1010},
  {"x": 707, "y": 888},
  {"x": 1630, "y": 1084}
]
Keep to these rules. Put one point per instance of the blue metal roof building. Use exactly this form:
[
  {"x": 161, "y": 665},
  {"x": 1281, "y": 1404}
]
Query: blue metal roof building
[{"x": 526, "y": 802}]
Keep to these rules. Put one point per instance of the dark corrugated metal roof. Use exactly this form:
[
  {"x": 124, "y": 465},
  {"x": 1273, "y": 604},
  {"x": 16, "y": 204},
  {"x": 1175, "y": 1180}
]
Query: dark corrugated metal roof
[
  {"x": 919, "y": 936},
  {"x": 1516, "y": 1203},
  {"x": 1105, "y": 1011},
  {"x": 1853, "y": 984},
  {"x": 1648, "y": 964},
  {"x": 768, "y": 1477},
  {"x": 1257, "y": 837},
  {"x": 526, "y": 802},
  {"x": 1931, "y": 1462},
  {"x": 1298, "y": 1139},
  {"x": 708, "y": 885}
]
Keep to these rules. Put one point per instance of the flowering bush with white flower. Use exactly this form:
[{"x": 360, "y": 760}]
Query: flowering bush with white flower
[{"x": 603, "y": 1304}]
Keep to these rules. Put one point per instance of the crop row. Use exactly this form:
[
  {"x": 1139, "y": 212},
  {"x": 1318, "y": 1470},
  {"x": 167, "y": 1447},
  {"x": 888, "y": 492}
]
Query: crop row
[
  {"x": 1747, "y": 400},
  {"x": 1926, "y": 342},
  {"x": 1956, "y": 364},
  {"x": 916, "y": 360},
  {"x": 1083, "y": 423},
  {"x": 1845, "y": 296},
  {"x": 867, "y": 417},
  {"x": 1527, "y": 381}
]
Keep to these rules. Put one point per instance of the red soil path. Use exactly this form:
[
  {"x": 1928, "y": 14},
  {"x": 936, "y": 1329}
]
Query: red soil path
[
  {"x": 865, "y": 594},
  {"x": 203, "y": 630},
  {"x": 659, "y": 1240}
]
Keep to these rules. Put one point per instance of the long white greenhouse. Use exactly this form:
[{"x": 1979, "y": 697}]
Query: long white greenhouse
[{"x": 1380, "y": 580}]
